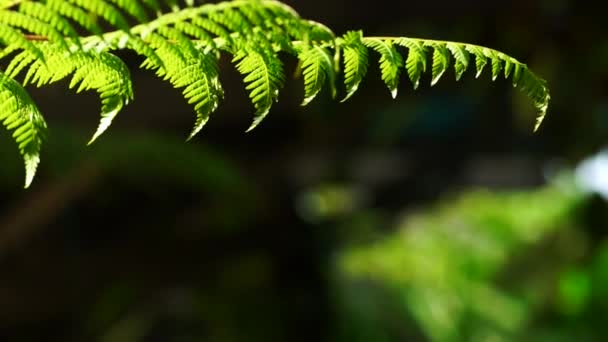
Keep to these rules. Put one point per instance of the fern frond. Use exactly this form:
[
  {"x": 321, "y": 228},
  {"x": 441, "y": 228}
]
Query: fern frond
[
  {"x": 33, "y": 25},
  {"x": 317, "y": 68},
  {"x": 264, "y": 77},
  {"x": 231, "y": 19},
  {"x": 44, "y": 40},
  {"x": 19, "y": 114},
  {"x": 480, "y": 58},
  {"x": 536, "y": 89},
  {"x": 152, "y": 4},
  {"x": 355, "y": 62},
  {"x": 75, "y": 13},
  {"x": 441, "y": 61},
  {"x": 203, "y": 89},
  {"x": 416, "y": 59},
  {"x": 47, "y": 15},
  {"x": 105, "y": 10},
  {"x": 196, "y": 73},
  {"x": 497, "y": 63},
  {"x": 461, "y": 58},
  {"x": 103, "y": 72},
  {"x": 133, "y": 8},
  {"x": 109, "y": 76},
  {"x": 20, "y": 61},
  {"x": 12, "y": 38},
  {"x": 391, "y": 62}
]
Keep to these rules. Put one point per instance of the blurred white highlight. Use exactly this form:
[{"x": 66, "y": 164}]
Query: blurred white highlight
[{"x": 592, "y": 174}]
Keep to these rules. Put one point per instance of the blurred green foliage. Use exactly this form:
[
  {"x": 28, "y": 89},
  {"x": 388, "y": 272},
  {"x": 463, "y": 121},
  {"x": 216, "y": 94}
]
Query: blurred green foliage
[{"x": 485, "y": 266}]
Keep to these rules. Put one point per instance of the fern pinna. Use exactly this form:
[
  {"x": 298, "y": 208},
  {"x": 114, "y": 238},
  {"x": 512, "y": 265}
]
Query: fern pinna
[{"x": 46, "y": 41}]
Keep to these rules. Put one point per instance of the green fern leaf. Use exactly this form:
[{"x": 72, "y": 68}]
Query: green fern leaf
[
  {"x": 44, "y": 40},
  {"x": 35, "y": 26},
  {"x": 213, "y": 28},
  {"x": 496, "y": 62},
  {"x": 317, "y": 68},
  {"x": 108, "y": 12},
  {"x": 152, "y": 4},
  {"x": 517, "y": 74},
  {"x": 416, "y": 59},
  {"x": 257, "y": 15},
  {"x": 508, "y": 64},
  {"x": 202, "y": 88},
  {"x": 19, "y": 114},
  {"x": 537, "y": 90},
  {"x": 14, "y": 38},
  {"x": 21, "y": 61},
  {"x": 461, "y": 58},
  {"x": 233, "y": 20},
  {"x": 103, "y": 72},
  {"x": 264, "y": 78},
  {"x": 144, "y": 49},
  {"x": 198, "y": 75},
  {"x": 480, "y": 58},
  {"x": 355, "y": 62},
  {"x": 175, "y": 37},
  {"x": 76, "y": 14},
  {"x": 196, "y": 32},
  {"x": 109, "y": 76},
  {"x": 8, "y": 51},
  {"x": 441, "y": 62},
  {"x": 45, "y": 14},
  {"x": 134, "y": 8},
  {"x": 391, "y": 62}
]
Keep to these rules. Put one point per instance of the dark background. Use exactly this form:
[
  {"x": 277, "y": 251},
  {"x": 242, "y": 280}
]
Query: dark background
[{"x": 144, "y": 237}]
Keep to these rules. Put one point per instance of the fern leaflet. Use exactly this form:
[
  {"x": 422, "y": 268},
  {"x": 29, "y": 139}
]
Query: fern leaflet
[
  {"x": 317, "y": 68},
  {"x": 264, "y": 77},
  {"x": 355, "y": 62},
  {"x": 391, "y": 62},
  {"x": 19, "y": 114},
  {"x": 441, "y": 61}
]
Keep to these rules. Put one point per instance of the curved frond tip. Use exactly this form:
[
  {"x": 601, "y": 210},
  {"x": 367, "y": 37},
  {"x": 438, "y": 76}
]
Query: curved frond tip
[{"x": 462, "y": 55}]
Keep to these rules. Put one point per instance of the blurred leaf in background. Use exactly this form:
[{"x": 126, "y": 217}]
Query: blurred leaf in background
[{"x": 469, "y": 270}]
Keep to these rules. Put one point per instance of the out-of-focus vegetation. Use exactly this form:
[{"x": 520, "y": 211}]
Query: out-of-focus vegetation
[{"x": 486, "y": 266}]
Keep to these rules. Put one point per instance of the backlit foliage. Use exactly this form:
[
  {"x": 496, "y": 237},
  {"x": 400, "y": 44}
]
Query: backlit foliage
[{"x": 46, "y": 41}]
